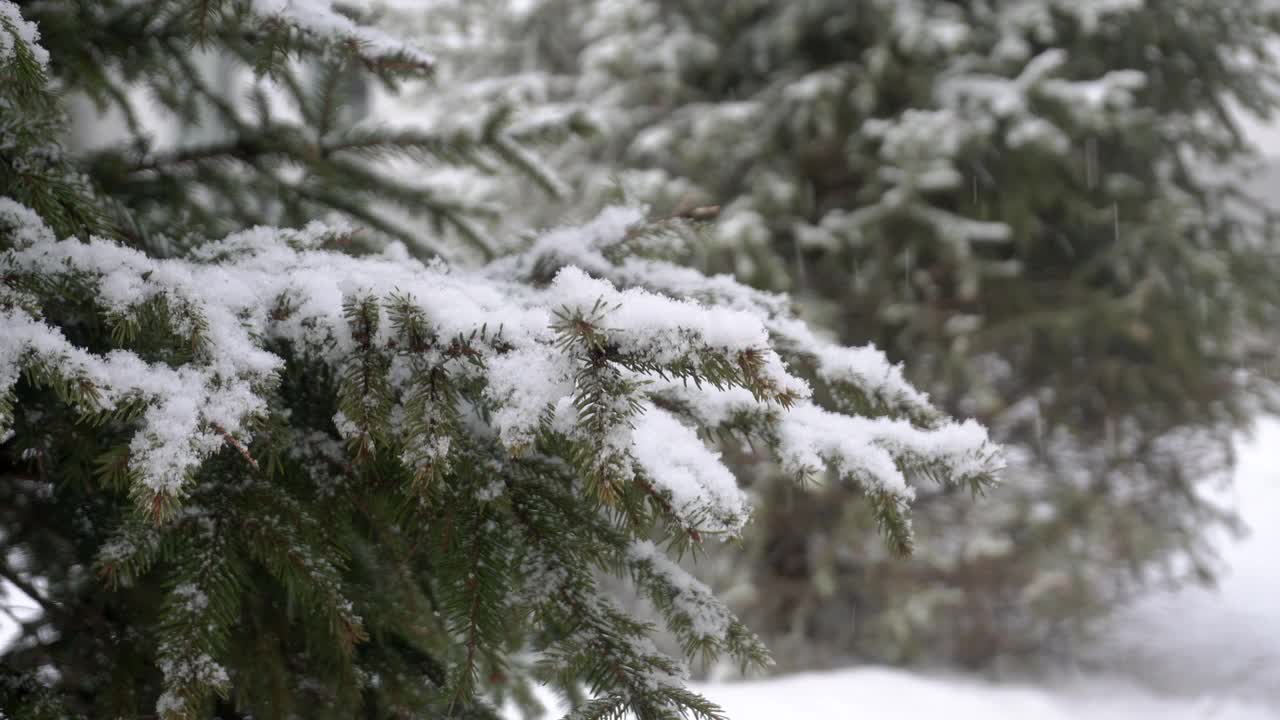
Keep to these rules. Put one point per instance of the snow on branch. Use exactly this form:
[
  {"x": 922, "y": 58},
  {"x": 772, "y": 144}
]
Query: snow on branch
[
  {"x": 681, "y": 464},
  {"x": 864, "y": 369},
  {"x": 19, "y": 38},
  {"x": 319, "y": 19},
  {"x": 575, "y": 358},
  {"x": 879, "y": 454},
  {"x": 184, "y": 406}
]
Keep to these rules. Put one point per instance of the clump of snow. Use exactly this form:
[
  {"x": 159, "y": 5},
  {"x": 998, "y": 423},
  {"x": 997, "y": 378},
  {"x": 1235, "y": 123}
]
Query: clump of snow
[
  {"x": 666, "y": 329},
  {"x": 14, "y": 30},
  {"x": 864, "y": 367},
  {"x": 169, "y": 705},
  {"x": 868, "y": 449},
  {"x": 172, "y": 441},
  {"x": 179, "y": 671},
  {"x": 677, "y": 460},
  {"x": 193, "y": 599},
  {"x": 23, "y": 222},
  {"x": 522, "y": 403}
]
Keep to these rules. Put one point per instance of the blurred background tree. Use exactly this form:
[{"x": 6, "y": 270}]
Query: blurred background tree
[{"x": 1041, "y": 202}]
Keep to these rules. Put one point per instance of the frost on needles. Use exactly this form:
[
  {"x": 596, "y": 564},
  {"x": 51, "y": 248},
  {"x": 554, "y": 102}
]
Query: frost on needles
[{"x": 287, "y": 480}]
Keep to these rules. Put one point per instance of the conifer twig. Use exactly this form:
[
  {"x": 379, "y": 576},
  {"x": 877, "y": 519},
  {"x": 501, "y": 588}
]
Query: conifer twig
[{"x": 233, "y": 442}]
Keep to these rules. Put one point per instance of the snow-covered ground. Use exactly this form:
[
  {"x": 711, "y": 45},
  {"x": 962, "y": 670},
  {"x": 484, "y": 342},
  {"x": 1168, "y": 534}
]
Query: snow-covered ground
[{"x": 873, "y": 692}]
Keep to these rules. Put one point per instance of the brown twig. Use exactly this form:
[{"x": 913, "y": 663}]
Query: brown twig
[{"x": 233, "y": 442}]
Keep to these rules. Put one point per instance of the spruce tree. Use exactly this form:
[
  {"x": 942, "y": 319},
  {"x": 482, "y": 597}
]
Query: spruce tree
[
  {"x": 1039, "y": 203},
  {"x": 260, "y": 471}
]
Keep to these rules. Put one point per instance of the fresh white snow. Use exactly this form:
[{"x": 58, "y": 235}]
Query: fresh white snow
[
  {"x": 676, "y": 459},
  {"x": 871, "y": 692},
  {"x": 13, "y": 30}
]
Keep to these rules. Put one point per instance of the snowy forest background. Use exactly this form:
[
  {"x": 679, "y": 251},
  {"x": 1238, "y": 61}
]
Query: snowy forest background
[{"x": 489, "y": 358}]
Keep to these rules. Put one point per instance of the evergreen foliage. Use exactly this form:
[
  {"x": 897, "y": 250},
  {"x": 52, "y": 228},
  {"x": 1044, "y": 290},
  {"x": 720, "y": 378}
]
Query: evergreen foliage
[
  {"x": 1038, "y": 203},
  {"x": 299, "y": 473}
]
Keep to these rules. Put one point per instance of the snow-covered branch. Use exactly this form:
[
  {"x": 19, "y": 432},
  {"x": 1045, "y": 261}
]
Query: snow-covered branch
[{"x": 237, "y": 301}]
